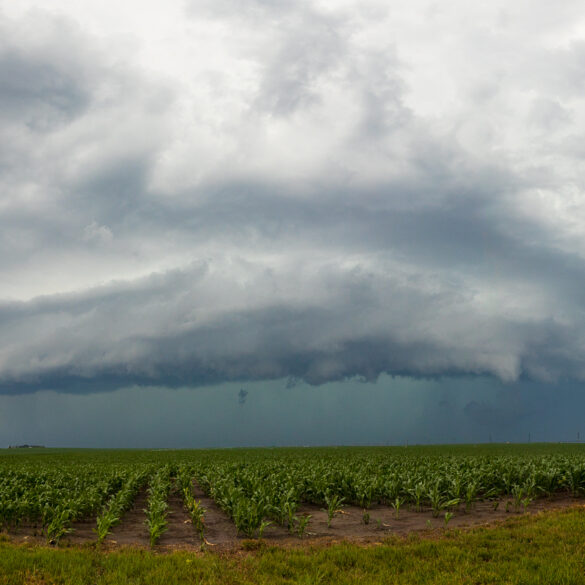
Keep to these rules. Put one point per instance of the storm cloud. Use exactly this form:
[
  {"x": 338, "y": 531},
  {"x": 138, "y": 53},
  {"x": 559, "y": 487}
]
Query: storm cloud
[{"x": 234, "y": 192}]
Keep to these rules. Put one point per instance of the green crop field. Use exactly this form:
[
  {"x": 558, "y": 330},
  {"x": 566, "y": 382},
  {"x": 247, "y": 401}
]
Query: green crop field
[{"x": 49, "y": 495}]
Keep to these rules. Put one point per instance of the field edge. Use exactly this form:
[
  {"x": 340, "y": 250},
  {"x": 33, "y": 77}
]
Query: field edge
[{"x": 548, "y": 547}]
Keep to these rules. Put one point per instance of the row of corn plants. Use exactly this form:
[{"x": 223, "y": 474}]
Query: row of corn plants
[
  {"x": 118, "y": 504},
  {"x": 157, "y": 505},
  {"x": 194, "y": 507}
]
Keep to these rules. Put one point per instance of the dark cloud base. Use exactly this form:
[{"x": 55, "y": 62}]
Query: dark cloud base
[{"x": 156, "y": 332}]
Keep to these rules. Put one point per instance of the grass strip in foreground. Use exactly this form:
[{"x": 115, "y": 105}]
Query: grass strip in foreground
[{"x": 548, "y": 549}]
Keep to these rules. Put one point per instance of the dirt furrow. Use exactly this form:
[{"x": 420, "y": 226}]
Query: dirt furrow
[
  {"x": 180, "y": 532},
  {"x": 220, "y": 531},
  {"x": 132, "y": 530},
  {"x": 82, "y": 532}
]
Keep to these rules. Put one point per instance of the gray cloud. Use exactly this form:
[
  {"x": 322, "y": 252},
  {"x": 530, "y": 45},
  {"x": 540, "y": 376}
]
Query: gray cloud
[
  {"x": 307, "y": 203},
  {"x": 304, "y": 56},
  {"x": 47, "y": 74},
  {"x": 38, "y": 92}
]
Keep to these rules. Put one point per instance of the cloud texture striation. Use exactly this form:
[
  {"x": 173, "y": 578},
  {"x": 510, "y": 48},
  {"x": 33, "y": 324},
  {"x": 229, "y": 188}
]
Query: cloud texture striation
[{"x": 227, "y": 191}]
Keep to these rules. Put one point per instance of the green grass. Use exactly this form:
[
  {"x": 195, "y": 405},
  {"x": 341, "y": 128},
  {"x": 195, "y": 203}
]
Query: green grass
[{"x": 548, "y": 549}]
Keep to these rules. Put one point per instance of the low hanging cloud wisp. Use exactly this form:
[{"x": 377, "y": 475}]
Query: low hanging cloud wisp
[{"x": 289, "y": 190}]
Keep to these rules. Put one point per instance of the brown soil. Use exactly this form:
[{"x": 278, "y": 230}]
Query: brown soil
[
  {"x": 180, "y": 532},
  {"x": 27, "y": 532},
  {"x": 83, "y": 533},
  {"x": 220, "y": 532},
  {"x": 132, "y": 530},
  {"x": 348, "y": 525}
]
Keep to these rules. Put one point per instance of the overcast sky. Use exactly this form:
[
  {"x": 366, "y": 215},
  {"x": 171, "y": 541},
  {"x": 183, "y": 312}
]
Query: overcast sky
[{"x": 342, "y": 207}]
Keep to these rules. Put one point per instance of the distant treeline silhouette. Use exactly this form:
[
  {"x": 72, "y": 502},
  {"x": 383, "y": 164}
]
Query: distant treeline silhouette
[{"x": 26, "y": 446}]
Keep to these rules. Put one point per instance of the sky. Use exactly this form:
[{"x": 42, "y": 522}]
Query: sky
[{"x": 271, "y": 222}]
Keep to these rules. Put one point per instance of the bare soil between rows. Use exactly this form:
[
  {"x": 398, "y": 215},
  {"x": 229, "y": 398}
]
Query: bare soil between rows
[{"x": 349, "y": 525}]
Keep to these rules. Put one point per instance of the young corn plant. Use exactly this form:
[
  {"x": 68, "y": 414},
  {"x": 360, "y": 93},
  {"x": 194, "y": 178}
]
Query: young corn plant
[
  {"x": 417, "y": 492},
  {"x": 334, "y": 504},
  {"x": 471, "y": 491},
  {"x": 436, "y": 498},
  {"x": 290, "y": 509},
  {"x": 105, "y": 522},
  {"x": 196, "y": 512},
  {"x": 397, "y": 504},
  {"x": 365, "y": 494},
  {"x": 391, "y": 489},
  {"x": 60, "y": 525},
  {"x": 303, "y": 522},
  {"x": 518, "y": 494},
  {"x": 439, "y": 502},
  {"x": 263, "y": 525}
]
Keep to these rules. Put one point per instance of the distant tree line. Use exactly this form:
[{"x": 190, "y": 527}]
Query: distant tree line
[{"x": 25, "y": 446}]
